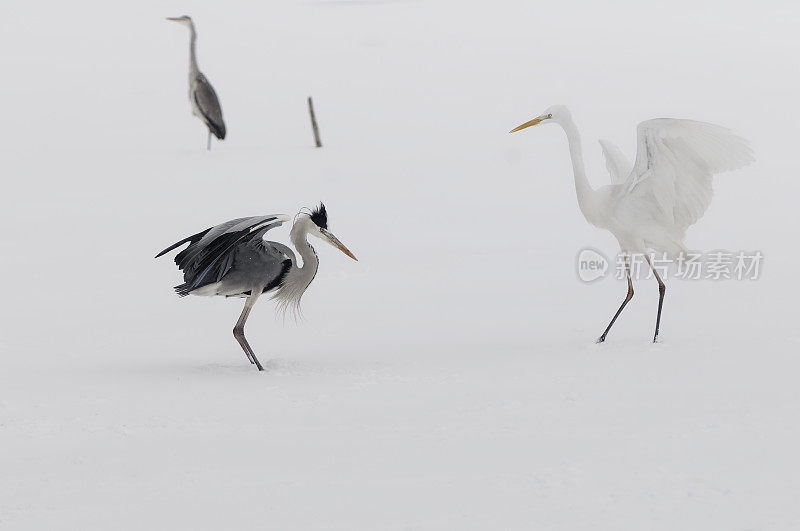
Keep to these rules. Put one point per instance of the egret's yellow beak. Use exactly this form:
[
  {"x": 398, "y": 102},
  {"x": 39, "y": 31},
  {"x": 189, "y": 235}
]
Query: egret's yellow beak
[
  {"x": 535, "y": 121},
  {"x": 336, "y": 243}
]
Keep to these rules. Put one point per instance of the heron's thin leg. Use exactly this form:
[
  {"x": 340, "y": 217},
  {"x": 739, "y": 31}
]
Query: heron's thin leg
[
  {"x": 242, "y": 320},
  {"x": 238, "y": 330},
  {"x": 628, "y": 297},
  {"x": 208, "y": 145},
  {"x": 249, "y": 357},
  {"x": 662, "y": 289}
]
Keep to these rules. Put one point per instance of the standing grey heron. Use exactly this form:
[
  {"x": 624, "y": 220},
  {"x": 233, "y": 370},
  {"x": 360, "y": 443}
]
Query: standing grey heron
[
  {"x": 654, "y": 200},
  {"x": 233, "y": 259},
  {"x": 205, "y": 104}
]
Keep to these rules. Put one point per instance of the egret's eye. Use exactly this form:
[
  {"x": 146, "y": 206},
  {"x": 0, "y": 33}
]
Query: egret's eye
[{"x": 549, "y": 116}]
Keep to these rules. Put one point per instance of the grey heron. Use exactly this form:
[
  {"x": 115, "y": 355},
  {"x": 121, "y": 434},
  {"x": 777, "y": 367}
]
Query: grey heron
[
  {"x": 233, "y": 259},
  {"x": 203, "y": 98}
]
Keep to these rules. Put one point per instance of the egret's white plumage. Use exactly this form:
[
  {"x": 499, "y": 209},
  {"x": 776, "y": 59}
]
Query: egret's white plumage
[
  {"x": 667, "y": 189},
  {"x": 618, "y": 165}
]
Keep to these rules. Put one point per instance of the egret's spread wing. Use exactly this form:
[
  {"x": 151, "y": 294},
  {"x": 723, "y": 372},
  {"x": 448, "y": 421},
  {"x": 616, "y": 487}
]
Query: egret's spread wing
[
  {"x": 210, "y": 253},
  {"x": 675, "y": 160},
  {"x": 618, "y": 165},
  {"x": 208, "y": 103}
]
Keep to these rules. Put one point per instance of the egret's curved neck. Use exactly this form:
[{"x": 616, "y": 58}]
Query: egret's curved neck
[
  {"x": 193, "y": 69},
  {"x": 587, "y": 197}
]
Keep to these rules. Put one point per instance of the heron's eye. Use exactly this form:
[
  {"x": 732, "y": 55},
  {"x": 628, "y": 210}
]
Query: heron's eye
[{"x": 549, "y": 116}]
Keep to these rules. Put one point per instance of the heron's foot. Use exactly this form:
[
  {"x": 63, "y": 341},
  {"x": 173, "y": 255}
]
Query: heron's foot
[
  {"x": 655, "y": 339},
  {"x": 258, "y": 365}
]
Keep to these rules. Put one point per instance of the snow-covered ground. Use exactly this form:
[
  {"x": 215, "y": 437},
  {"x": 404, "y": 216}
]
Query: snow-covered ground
[{"x": 447, "y": 380}]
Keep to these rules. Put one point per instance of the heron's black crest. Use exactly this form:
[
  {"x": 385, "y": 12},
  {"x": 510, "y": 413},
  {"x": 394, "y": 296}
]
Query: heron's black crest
[{"x": 320, "y": 216}]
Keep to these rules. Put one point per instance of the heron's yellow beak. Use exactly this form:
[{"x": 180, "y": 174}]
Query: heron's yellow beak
[
  {"x": 336, "y": 243},
  {"x": 528, "y": 124}
]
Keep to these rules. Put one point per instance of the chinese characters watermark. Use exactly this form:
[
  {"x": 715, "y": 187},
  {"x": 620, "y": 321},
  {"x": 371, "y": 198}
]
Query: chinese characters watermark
[{"x": 691, "y": 265}]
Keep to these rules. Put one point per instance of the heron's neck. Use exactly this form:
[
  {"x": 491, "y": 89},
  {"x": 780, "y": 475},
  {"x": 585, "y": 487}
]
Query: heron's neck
[
  {"x": 301, "y": 276},
  {"x": 193, "y": 69},
  {"x": 298, "y": 277},
  {"x": 299, "y": 238},
  {"x": 587, "y": 197}
]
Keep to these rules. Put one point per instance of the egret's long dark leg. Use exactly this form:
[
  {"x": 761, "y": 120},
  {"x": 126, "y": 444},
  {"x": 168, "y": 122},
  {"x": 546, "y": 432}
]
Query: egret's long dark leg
[
  {"x": 628, "y": 297},
  {"x": 238, "y": 330},
  {"x": 662, "y": 289},
  {"x": 208, "y": 144}
]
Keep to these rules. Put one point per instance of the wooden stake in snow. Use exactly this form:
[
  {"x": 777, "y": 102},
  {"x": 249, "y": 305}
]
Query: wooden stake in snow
[{"x": 317, "y": 141}]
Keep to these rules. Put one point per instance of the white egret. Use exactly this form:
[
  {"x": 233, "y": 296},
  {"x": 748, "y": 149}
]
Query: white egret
[{"x": 654, "y": 200}]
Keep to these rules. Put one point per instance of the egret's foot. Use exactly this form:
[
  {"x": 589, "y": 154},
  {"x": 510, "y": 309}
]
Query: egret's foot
[{"x": 600, "y": 339}]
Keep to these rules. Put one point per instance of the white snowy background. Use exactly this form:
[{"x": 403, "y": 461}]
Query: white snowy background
[{"x": 447, "y": 380}]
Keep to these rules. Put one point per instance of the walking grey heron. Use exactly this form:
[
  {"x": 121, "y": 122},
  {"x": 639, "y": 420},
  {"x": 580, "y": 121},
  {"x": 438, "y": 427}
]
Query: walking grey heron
[
  {"x": 653, "y": 201},
  {"x": 233, "y": 259},
  {"x": 205, "y": 104}
]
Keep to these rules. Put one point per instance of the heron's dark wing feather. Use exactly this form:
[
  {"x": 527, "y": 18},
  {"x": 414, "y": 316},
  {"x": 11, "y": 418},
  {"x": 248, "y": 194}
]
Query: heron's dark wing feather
[
  {"x": 208, "y": 258},
  {"x": 186, "y": 259},
  {"x": 285, "y": 255},
  {"x": 257, "y": 258},
  {"x": 193, "y": 238},
  {"x": 208, "y": 103}
]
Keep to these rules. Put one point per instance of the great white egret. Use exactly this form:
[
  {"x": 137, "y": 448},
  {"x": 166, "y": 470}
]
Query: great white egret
[
  {"x": 234, "y": 260},
  {"x": 203, "y": 98},
  {"x": 654, "y": 200}
]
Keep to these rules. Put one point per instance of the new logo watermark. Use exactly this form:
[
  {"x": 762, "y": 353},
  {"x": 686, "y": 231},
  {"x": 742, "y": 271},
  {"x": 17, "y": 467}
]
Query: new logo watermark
[{"x": 593, "y": 265}]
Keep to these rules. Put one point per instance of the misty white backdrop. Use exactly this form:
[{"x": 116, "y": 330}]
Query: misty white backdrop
[{"x": 447, "y": 380}]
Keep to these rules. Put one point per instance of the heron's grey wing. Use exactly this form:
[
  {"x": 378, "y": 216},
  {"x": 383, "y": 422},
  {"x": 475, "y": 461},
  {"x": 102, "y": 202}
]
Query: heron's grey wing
[
  {"x": 257, "y": 265},
  {"x": 193, "y": 238},
  {"x": 619, "y": 167},
  {"x": 206, "y": 99},
  {"x": 675, "y": 162},
  {"x": 211, "y": 262},
  {"x": 208, "y": 258},
  {"x": 268, "y": 261},
  {"x": 197, "y": 242}
]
